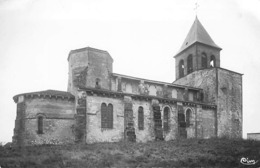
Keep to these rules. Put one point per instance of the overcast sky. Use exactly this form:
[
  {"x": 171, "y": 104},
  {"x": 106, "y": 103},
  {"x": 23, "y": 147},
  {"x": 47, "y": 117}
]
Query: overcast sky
[{"x": 142, "y": 36}]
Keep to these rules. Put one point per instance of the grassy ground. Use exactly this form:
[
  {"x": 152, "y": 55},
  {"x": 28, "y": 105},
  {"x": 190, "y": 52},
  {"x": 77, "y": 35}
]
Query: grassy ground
[{"x": 177, "y": 153}]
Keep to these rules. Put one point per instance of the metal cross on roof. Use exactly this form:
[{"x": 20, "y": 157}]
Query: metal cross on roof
[{"x": 196, "y": 7}]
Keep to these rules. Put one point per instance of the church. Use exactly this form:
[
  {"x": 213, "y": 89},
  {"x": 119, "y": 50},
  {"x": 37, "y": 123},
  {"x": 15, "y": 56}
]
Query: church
[{"x": 99, "y": 105}]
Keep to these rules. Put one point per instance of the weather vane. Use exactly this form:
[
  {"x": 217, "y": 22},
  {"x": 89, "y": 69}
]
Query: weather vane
[{"x": 196, "y": 7}]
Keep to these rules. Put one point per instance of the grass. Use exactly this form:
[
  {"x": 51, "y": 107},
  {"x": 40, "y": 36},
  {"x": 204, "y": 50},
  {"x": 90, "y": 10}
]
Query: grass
[{"x": 176, "y": 153}]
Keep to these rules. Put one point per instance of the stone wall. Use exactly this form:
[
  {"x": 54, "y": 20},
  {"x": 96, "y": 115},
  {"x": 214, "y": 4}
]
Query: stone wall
[
  {"x": 125, "y": 119},
  {"x": 147, "y": 133},
  {"x": 206, "y": 122},
  {"x": 172, "y": 133},
  {"x": 94, "y": 132},
  {"x": 89, "y": 67},
  {"x": 19, "y": 130},
  {"x": 56, "y": 131},
  {"x": 144, "y": 87},
  {"x": 196, "y": 51},
  {"x": 97, "y": 134},
  {"x": 191, "y": 128},
  {"x": 229, "y": 104},
  {"x": 253, "y": 136},
  {"x": 80, "y": 117},
  {"x": 58, "y": 121},
  {"x": 205, "y": 79},
  {"x": 223, "y": 88}
]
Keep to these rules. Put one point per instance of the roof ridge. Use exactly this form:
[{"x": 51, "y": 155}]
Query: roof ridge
[
  {"x": 197, "y": 33},
  {"x": 47, "y": 92}
]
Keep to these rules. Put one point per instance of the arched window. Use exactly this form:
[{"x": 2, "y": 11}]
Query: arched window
[
  {"x": 189, "y": 64},
  {"x": 141, "y": 118},
  {"x": 40, "y": 125},
  {"x": 166, "y": 119},
  {"x": 188, "y": 117},
  {"x": 181, "y": 68},
  {"x": 212, "y": 61},
  {"x": 98, "y": 83},
  {"x": 106, "y": 116},
  {"x": 110, "y": 116},
  {"x": 204, "y": 61}
]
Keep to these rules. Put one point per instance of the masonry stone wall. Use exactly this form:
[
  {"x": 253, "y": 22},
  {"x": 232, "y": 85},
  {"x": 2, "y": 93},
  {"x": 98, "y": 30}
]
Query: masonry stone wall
[
  {"x": 205, "y": 79},
  {"x": 206, "y": 123},
  {"x": 191, "y": 129},
  {"x": 94, "y": 132},
  {"x": 146, "y": 88},
  {"x": 55, "y": 131},
  {"x": 223, "y": 88},
  {"x": 19, "y": 133},
  {"x": 88, "y": 66},
  {"x": 147, "y": 133},
  {"x": 209, "y": 51},
  {"x": 196, "y": 51},
  {"x": 58, "y": 121},
  {"x": 77, "y": 62},
  {"x": 183, "y": 56},
  {"x": 172, "y": 133},
  {"x": 229, "y": 104},
  {"x": 253, "y": 136},
  {"x": 202, "y": 120}
]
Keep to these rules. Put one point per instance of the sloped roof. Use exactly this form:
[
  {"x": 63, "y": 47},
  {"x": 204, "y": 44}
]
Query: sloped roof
[
  {"x": 88, "y": 49},
  {"x": 199, "y": 34},
  {"x": 48, "y": 93}
]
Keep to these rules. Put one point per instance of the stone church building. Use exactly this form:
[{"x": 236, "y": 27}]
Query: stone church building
[{"x": 204, "y": 101}]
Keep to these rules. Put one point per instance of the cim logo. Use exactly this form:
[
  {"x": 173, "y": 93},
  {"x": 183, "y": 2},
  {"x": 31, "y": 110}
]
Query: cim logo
[{"x": 246, "y": 161}]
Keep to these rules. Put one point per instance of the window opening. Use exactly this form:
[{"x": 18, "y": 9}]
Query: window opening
[
  {"x": 181, "y": 68},
  {"x": 140, "y": 118},
  {"x": 190, "y": 64},
  {"x": 166, "y": 119}
]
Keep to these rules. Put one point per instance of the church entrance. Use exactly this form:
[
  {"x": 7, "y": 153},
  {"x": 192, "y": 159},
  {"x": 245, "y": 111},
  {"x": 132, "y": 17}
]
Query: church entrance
[
  {"x": 158, "y": 131},
  {"x": 181, "y": 123}
]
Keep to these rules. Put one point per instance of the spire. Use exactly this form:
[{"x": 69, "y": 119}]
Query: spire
[{"x": 198, "y": 34}]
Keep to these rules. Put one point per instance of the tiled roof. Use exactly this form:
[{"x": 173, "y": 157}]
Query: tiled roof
[
  {"x": 155, "y": 82},
  {"x": 87, "y": 49},
  {"x": 47, "y": 93},
  {"x": 199, "y": 34}
]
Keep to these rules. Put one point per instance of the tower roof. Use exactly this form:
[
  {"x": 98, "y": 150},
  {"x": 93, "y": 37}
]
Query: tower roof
[
  {"x": 50, "y": 93},
  {"x": 198, "y": 34}
]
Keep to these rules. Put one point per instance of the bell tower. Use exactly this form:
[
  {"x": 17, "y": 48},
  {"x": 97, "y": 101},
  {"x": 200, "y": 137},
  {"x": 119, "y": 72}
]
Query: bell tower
[
  {"x": 197, "y": 64},
  {"x": 198, "y": 51}
]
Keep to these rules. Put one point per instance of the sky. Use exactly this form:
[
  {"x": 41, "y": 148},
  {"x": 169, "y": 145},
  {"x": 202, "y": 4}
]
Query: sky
[{"x": 142, "y": 36}]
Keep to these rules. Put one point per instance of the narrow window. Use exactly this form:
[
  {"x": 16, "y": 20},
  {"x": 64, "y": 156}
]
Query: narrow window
[
  {"x": 110, "y": 116},
  {"x": 40, "y": 125},
  {"x": 181, "y": 120},
  {"x": 190, "y": 64},
  {"x": 188, "y": 117},
  {"x": 141, "y": 118},
  {"x": 98, "y": 86},
  {"x": 166, "y": 119},
  {"x": 212, "y": 61},
  {"x": 104, "y": 116},
  {"x": 203, "y": 61},
  {"x": 181, "y": 68}
]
